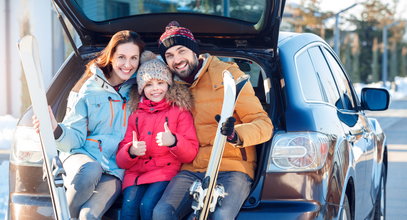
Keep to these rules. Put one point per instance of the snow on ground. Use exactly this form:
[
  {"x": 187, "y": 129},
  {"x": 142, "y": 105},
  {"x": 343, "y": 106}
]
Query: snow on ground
[
  {"x": 398, "y": 89},
  {"x": 3, "y": 189},
  {"x": 7, "y": 125}
]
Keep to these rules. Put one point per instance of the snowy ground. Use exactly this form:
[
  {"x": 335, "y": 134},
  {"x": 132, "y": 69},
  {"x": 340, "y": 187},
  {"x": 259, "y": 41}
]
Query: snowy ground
[
  {"x": 398, "y": 90},
  {"x": 8, "y": 123}
]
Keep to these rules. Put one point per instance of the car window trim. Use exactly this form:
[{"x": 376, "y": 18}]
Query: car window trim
[
  {"x": 354, "y": 94},
  {"x": 298, "y": 53},
  {"x": 305, "y": 49}
]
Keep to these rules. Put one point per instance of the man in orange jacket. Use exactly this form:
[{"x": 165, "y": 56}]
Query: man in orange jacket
[{"x": 252, "y": 126}]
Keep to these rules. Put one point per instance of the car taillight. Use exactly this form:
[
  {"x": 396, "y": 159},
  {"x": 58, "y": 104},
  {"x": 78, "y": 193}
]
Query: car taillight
[
  {"x": 27, "y": 146},
  {"x": 298, "y": 151}
]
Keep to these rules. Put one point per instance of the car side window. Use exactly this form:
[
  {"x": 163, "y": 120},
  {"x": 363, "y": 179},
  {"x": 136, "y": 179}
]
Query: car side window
[
  {"x": 325, "y": 76},
  {"x": 255, "y": 72},
  {"x": 308, "y": 78},
  {"x": 250, "y": 68},
  {"x": 344, "y": 86}
]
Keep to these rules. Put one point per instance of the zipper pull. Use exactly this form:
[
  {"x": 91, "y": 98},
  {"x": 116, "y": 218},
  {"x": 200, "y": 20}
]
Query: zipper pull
[
  {"x": 125, "y": 111},
  {"x": 124, "y": 103},
  {"x": 100, "y": 145},
  {"x": 111, "y": 110}
]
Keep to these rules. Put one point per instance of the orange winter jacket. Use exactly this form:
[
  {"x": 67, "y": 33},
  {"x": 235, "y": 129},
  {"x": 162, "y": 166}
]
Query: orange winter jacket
[{"x": 252, "y": 123}]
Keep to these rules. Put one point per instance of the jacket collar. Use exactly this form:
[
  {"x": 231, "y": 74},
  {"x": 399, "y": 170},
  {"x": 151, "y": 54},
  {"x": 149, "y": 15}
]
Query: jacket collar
[
  {"x": 101, "y": 80},
  {"x": 215, "y": 75},
  {"x": 206, "y": 61},
  {"x": 150, "y": 106}
]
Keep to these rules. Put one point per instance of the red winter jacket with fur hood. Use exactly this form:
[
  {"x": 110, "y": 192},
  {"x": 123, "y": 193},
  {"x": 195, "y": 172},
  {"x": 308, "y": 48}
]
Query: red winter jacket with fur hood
[{"x": 160, "y": 163}]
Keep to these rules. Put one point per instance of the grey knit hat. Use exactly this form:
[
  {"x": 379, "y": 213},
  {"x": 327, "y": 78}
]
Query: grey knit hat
[{"x": 153, "y": 69}]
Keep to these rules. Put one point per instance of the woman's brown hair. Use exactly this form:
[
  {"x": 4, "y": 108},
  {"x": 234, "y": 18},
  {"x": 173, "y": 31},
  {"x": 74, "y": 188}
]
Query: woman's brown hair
[{"x": 103, "y": 58}]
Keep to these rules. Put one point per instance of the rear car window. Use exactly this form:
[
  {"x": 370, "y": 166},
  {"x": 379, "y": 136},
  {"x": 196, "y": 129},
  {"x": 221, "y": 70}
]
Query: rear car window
[
  {"x": 308, "y": 78},
  {"x": 327, "y": 81},
  {"x": 102, "y": 10},
  {"x": 342, "y": 82}
]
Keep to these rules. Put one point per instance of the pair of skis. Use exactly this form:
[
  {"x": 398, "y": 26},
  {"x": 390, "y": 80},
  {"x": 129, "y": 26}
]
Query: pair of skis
[
  {"x": 53, "y": 169},
  {"x": 207, "y": 194}
]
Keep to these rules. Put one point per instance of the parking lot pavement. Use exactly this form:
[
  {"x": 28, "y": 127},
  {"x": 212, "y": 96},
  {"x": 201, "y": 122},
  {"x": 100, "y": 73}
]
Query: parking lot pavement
[
  {"x": 396, "y": 183},
  {"x": 393, "y": 122}
]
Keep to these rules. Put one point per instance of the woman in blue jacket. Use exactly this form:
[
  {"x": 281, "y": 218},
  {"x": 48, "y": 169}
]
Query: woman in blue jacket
[{"x": 94, "y": 124}]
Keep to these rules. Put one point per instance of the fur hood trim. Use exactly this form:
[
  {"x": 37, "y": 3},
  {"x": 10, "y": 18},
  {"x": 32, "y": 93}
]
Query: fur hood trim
[
  {"x": 177, "y": 94},
  {"x": 180, "y": 96}
]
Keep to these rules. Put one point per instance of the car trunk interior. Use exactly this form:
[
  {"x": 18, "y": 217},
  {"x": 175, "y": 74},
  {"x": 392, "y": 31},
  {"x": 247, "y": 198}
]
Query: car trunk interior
[{"x": 75, "y": 79}]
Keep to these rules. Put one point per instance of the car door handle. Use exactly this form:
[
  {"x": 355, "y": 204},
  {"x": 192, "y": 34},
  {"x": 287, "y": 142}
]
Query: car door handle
[{"x": 351, "y": 138}]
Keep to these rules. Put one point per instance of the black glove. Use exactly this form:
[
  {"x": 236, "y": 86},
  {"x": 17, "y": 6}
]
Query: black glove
[{"x": 228, "y": 129}]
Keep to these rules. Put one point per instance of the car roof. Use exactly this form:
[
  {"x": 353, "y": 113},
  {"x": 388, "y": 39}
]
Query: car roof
[{"x": 260, "y": 29}]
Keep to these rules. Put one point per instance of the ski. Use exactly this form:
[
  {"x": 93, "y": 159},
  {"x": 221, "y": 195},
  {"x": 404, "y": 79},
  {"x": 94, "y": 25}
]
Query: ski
[
  {"x": 53, "y": 169},
  {"x": 207, "y": 194}
]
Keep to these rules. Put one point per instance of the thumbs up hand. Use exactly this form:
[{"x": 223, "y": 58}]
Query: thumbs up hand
[
  {"x": 165, "y": 138},
  {"x": 139, "y": 147}
]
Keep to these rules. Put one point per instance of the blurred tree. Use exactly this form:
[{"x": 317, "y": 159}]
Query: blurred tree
[
  {"x": 347, "y": 55},
  {"x": 394, "y": 67},
  {"x": 403, "y": 70},
  {"x": 237, "y": 8},
  {"x": 375, "y": 77},
  {"x": 309, "y": 17},
  {"x": 374, "y": 16},
  {"x": 356, "y": 58}
]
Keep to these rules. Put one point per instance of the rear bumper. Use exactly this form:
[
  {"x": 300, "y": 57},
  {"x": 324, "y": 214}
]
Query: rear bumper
[
  {"x": 28, "y": 193},
  {"x": 290, "y": 210},
  {"x": 28, "y": 206}
]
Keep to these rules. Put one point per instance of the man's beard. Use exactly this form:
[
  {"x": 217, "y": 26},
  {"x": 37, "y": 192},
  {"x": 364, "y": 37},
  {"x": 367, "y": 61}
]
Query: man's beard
[{"x": 191, "y": 67}]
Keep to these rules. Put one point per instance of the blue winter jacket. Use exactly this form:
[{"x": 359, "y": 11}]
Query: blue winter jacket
[{"x": 96, "y": 121}]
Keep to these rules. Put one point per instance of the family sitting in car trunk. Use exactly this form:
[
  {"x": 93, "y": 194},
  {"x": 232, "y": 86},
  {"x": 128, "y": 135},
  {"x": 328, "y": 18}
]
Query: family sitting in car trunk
[{"x": 144, "y": 125}]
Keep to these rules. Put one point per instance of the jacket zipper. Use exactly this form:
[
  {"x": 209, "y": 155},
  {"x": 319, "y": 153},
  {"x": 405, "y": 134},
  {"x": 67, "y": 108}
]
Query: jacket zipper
[
  {"x": 112, "y": 110},
  {"x": 125, "y": 112},
  {"x": 124, "y": 106},
  {"x": 111, "y": 105},
  {"x": 96, "y": 141}
]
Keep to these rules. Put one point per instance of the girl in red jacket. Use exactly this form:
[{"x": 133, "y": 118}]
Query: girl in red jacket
[{"x": 160, "y": 136}]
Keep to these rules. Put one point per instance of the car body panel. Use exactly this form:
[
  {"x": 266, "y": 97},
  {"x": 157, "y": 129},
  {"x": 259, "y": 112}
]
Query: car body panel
[{"x": 27, "y": 201}]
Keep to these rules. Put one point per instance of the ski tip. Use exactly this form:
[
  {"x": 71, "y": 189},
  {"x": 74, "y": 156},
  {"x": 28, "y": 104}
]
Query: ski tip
[
  {"x": 243, "y": 78},
  {"x": 26, "y": 40},
  {"x": 227, "y": 74},
  {"x": 240, "y": 83}
]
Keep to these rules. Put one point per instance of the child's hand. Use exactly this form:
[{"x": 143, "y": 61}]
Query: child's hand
[
  {"x": 165, "y": 138},
  {"x": 138, "y": 148}
]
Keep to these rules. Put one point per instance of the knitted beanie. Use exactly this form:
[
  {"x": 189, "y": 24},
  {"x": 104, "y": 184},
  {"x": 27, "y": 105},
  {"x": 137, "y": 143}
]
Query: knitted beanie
[
  {"x": 152, "y": 69},
  {"x": 176, "y": 35}
]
